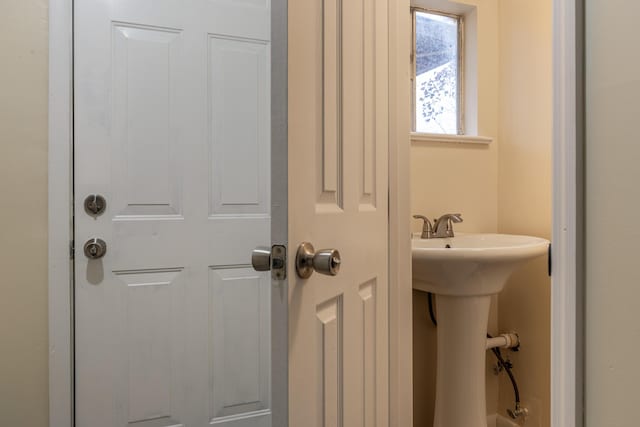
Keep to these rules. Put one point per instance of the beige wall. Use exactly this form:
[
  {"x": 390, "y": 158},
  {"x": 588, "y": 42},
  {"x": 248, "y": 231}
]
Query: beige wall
[
  {"x": 451, "y": 177},
  {"x": 23, "y": 213},
  {"x": 524, "y": 193},
  {"x": 612, "y": 206},
  {"x": 504, "y": 187}
]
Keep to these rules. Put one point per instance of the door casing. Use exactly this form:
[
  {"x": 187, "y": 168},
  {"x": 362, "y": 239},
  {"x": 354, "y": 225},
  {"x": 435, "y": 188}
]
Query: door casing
[{"x": 567, "y": 304}]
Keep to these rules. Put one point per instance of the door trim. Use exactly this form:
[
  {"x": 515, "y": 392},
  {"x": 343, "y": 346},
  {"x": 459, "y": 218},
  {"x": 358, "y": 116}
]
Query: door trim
[
  {"x": 60, "y": 223},
  {"x": 567, "y": 308},
  {"x": 60, "y": 213},
  {"x": 400, "y": 284}
]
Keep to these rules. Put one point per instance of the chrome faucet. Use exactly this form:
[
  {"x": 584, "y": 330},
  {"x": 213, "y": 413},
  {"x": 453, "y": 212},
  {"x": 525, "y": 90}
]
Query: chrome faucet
[{"x": 442, "y": 227}]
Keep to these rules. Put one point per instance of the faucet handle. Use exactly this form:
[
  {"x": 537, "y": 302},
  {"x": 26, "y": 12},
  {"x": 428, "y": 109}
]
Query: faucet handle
[
  {"x": 427, "y": 228},
  {"x": 456, "y": 217},
  {"x": 453, "y": 218}
]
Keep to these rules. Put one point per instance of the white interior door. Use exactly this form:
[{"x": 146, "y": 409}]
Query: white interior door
[
  {"x": 338, "y": 138},
  {"x": 172, "y": 102}
]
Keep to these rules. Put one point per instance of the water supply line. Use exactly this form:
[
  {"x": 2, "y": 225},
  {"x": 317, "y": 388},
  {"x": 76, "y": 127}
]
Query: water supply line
[
  {"x": 506, "y": 365},
  {"x": 504, "y": 341}
]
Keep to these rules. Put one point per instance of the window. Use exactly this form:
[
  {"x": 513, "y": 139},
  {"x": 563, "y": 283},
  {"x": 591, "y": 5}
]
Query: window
[{"x": 438, "y": 72}]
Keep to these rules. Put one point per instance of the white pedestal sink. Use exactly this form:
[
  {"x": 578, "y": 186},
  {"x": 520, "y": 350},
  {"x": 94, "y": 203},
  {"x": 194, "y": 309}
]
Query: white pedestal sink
[{"x": 464, "y": 276}]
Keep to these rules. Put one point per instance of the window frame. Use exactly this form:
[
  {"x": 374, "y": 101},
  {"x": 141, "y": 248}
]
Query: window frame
[{"x": 460, "y": 98}]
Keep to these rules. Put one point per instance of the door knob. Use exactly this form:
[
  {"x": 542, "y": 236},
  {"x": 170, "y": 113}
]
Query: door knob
[
  {"x": 261, "y": 258},
  {"x": 274, "y": 259},
  {"x": 325, "y": 261},
  {"x": 95, "y": 248}
]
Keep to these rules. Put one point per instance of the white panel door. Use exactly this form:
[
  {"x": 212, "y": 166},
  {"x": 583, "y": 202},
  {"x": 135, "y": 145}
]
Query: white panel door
[
  {"x": 172, "y": 128},
  {"x": 338, "y": 138}
]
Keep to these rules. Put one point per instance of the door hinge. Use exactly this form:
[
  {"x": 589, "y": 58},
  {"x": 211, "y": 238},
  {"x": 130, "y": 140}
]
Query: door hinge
[{"x": 72, "y": 249}]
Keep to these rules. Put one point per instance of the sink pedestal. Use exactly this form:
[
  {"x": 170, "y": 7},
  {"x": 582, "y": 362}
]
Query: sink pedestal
[{"x": 460, "y": 377}]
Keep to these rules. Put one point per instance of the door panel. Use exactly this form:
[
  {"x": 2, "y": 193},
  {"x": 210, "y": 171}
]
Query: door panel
[
  {"x": 145, "y": 154},
  {"x": 172, "y": 111},
  {"x": 338, "y": 335},
  {"x": 239, "y": 85},
  {"x": 153, "y": 324},
  {"x": 239, "y": 341}
]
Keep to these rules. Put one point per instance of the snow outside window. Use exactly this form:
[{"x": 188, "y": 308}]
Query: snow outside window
[{"x": 438, "y": 69}]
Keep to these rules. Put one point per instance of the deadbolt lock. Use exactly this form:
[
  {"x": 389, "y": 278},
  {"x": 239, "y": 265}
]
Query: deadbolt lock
[{"x": 95, "y": 204}]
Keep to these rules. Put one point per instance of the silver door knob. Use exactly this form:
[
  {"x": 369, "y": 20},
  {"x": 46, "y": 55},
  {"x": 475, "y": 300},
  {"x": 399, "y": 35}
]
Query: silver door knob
[
  {"x": 325, "y": 261},
  {"x": 261, "y": 258},
  {"x": 95, "y": 248},
  {"x": 273, "y": 258}
]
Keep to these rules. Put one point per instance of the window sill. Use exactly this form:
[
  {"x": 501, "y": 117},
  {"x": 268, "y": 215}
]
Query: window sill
[{"x": 455, "y": 139}]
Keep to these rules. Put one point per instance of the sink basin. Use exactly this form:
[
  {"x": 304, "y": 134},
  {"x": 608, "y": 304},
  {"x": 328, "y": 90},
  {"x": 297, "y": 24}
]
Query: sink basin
[{"x": 470, "y": 264}]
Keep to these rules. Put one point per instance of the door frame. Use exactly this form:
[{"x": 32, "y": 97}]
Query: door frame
[
  {"x": 60, "y": 216},
  {"x": 60, "y": 181},
  {"x": 567, "y": 284}
]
